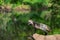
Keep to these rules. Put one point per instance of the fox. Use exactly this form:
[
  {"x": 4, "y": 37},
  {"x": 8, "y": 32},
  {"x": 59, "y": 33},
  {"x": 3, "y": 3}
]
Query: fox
[{"x": 40, "y": 26}]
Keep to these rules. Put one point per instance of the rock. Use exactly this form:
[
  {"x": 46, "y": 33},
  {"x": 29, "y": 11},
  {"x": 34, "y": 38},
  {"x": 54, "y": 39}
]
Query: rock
[
  {"x": 47, "y": 37},
  {"x": 41, "y": 37},
  {"x": 38, "y": 37},
  {"x": 7, "y": 8},
  {"x": 57, "y": 37},
  {"x": 22, "y": 8},
  {"x": 50, "y": 37}
]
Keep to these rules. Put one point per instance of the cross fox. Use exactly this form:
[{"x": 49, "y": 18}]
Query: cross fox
[{"x": 41, "y": 26}]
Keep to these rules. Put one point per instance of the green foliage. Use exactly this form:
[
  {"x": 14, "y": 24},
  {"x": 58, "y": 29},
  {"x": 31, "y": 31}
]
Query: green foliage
[
  {"x": 32, "y": 1},
  {"x": 1, "y": 2},
  {"x": 45, "y": 2},
  {"x": 7, "y": 1},
  {"x": 14, "y": 25}
]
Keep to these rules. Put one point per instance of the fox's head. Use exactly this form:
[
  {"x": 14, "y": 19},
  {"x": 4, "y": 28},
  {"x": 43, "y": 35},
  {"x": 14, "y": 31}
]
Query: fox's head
[
  {"x": 48, "y": 29},
  {"x": 30, "y": 22}
]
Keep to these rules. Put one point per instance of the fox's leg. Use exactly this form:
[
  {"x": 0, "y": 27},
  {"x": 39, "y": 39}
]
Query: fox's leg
[
  {"x": 34, "y": 30},
  {"x": 46, "y": 33},
  {"x": 32, "y": 38}
]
